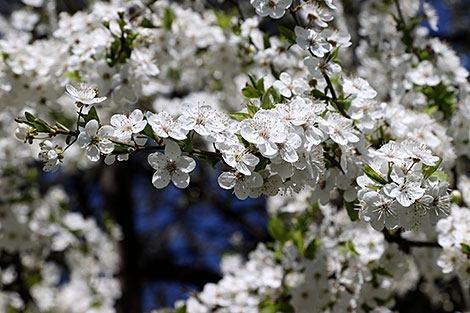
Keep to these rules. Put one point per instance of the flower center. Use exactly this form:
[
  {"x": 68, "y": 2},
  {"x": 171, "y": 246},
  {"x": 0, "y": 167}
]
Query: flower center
[{"x": 171, "y": 166}]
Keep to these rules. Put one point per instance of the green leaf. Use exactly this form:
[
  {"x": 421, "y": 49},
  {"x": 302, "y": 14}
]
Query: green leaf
[
  {"x": 430, "y": 170},
  {"x": 42, "y": 126},
  {"x": 75, "y": 75},
  {"x": 351, "y": 208},
  {"x": 148, "y": 131},
  {"x": 92, "y": 115},
  {"x": 30, "y": 117},
  {"x": 276, "y": 229},
  {"x": 381, "y": 271},
  {"x": 465, "y": 249},
  {"x": 187, "y": 145},
  {"x": 349, "y": 247},
  {"x": 68, "y": 139},
  {"x": 225, "y": 19},
  {"x": 298, "y": 238},
  {"x": 372, "y": 174},
  {"x": 318, "y": 94},
  {"x": 266, "y": 102},
  {"x": 252, "y": 109},
  {"x": 287, "y": 34},
  {"x": 262, "y": 164},
  {"x": 334, "y": 55},
  {"x": 211, "y": 159},
  {"x": 181, "y": 309},
  {"x": 266, "y": 42},
  {"x": 146, "y": 23},
  {"x": 275, "y": 93},
  {"x": 239, "y": 115},
  {"x": 252, "y": 80},
  {"x": 168, "y": 18},
  {"x": 250, "y": 92},
  {"x": 260, "y": 86},
  {"x": 62, "y": 126},
  {"x": 441, "y": 176},
  {"x": 311, "y": 250}
]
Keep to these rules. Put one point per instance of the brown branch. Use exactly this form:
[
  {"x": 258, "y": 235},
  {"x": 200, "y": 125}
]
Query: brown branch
[{"x": 406, "y": 244}]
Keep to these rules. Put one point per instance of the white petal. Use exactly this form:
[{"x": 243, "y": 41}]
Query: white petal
[
  {"x": 93, "y": 153},
  {"x": 83, "y": 139},
  {"x": 226, "y": 180},
  {"x": 180, "y": 179},
  {"x": 172, "y": 150},
  {"x": 161, "y": 179},
  {"x": 157, "y": 160},
  {"x": 91, "y": 127},
  {"x": 106, "y": 146},
  {"x": 185, "y": 164},
  {"x": 136, "y": 116}
]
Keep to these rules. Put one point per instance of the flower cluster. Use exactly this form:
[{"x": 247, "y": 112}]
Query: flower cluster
[{"x": 401, "y": 186}]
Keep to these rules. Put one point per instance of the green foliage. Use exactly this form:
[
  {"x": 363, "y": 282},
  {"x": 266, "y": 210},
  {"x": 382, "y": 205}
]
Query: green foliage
[
  {"x": 239, "y": 115},
  {"x": 287, "y": 35},
  {"x": 430, "y": 170},
  {"x": 465, "y": 249},
  {"x": 311, "y": 250},
  {"x": 92, "y": 115},
  {"x": 36, "y": 123},
  {"x": 211, "y": 159},
  {"x": 168, "y": 18},
  {"x": 270, "y": 306},
  {"x": 439, "y": 97},
  {"x": 121, "y": 48},
  {"x": 224, "y": 19},
  {"x": 74, "y": 75},
  {"x": 351, "y": 208},
  {"x": 276, "y": 229},
  {"x": 372, "y": 174}
]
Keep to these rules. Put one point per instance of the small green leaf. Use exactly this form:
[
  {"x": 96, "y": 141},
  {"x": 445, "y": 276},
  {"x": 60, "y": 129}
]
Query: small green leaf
[
  {"x": 266, "y": 42},
  {"x": 148, "y": 131},
  {"x": 276, "y": 95},
  {"x": 429, "y": 170},
  {"x": 318, "y": 94},
  {"x": 168, "y": 18},
  {"x": 239, "y": 115},
  {"x": 252, "y": 109},
  {"x": 146, "y": 23},
  {"x": 252, "y": 80},
  {"x": 311, "y": 250},
  {"x": 276, "y": 229},
  {"x": 266, "y": 102},
  {"x": 211, "y": 159},
  {"x": 298, "y": 238},
  {"x": 30, "y": 117},
  {"x": 441, "y": 176},
  {"x": 260, "y": 86},
  {"x": 68, "y": 139},
  {"x": 42, "y": 126},
  {"x": 372, "y": 174},
  {"x": 465, "y": 249},
  {"x": 351, "y": 208},
  {"x": 181, "y": 309},
  {"x": 352, "y": 248},
  {"x": 250, "y": 92},
  {"x": 75, "y": 75},
  {"x": 287, "y": 34},
  {"x": 381, "y": 271},
  {"x": 62, "y": 126}
]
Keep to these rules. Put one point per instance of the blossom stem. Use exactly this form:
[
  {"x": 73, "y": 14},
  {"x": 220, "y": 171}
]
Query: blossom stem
[
  {"x": 406, "y": 244},
  {"x": 400, "y": 13},
  {"x": 161, "y": 147}
]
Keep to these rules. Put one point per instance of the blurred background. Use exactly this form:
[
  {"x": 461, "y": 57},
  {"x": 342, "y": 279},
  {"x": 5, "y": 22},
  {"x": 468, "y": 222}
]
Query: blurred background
[{"x": 173, "y": 239}]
